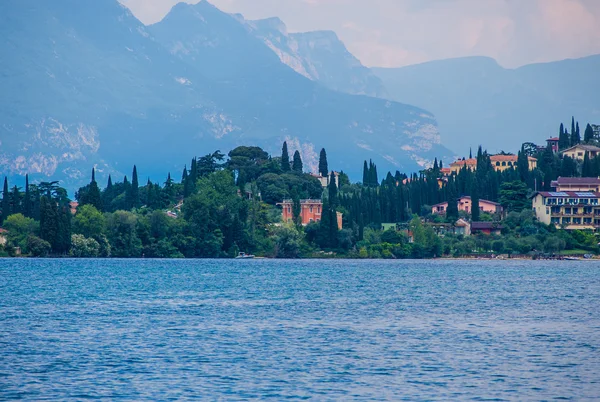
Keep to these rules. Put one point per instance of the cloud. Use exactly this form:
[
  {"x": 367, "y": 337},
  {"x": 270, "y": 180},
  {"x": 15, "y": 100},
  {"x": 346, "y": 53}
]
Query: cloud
[{"x": 401, "y": 32}]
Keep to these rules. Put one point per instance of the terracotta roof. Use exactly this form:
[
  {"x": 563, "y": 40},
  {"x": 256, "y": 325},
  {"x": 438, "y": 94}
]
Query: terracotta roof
[
  {"x": 553, "y": 139},
  {"x": 576, "y": 180},
  {"x": 445, "y": 170},
  {"x": 3, "y": 230},
  {"x": 486, "y": 201},
  {"x": 471, "y": 161},
  {"x": 584, "y": 147},
  {"x": 485, "y": 226},
  {"x": 506, "y": 158}
]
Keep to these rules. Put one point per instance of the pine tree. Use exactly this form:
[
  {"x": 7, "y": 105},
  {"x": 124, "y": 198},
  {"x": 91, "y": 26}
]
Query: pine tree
[
  {"x": 285, "y": 158},
  {"x": 323, "y": 166},
  {"x": 5, "y": 202},
  {"x": 588, "y": 135},
  {"x": 297, "y": 164}
]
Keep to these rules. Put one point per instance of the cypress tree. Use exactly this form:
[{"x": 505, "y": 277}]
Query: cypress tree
[
  {"x": 588, "y": 135},
  {"x": 323, "y": 166},
  {"x": 563, "y": 139},
  {"x": 134, "y": 197},
  {"x": 296, "y": 207},
  {"x": 285, "y": 158},
  {"x": 366, "y": 177},
  {"x": 184, "y": 175},
  {"x": 475, "y": 212},
  {"x": 575, "y": 137},
  {"x": 49, "y": 225},
  {"x": 16, "y": 206},
  {"x": 587, "y": 169},
  {"x": 27, "y": 200},
  {"x": 93, "y": 195},
  {"x": 5, "y": 201},
  {"x": 333, "y": 192},
  {"x": 452, "y": 211},
  {"x": 523, "y": 166},
  {"x": 323, "y": 235},
  {"x": 297, "y": 164}
]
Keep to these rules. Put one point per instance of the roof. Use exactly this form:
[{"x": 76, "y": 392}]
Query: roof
[
  {"x": 462, "y": 162},
  {"x": 445, "y": 170},
  {"x": 301, "y": 202},
  {"x": 485, "y": 226},
  {"x": 467, "y": 197},
  {"x": 555, "y": 139},
  {"x": 567, "y": 194},
  {"x": 461, "y": 223},
  {"x": 576, "y": 180},
  {"x": 584, "y": 147},
  {"x": 3, "y": 230},
  {"x": 506, "y": 158}
]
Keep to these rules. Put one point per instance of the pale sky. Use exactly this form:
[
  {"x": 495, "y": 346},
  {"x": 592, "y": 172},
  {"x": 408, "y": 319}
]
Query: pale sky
[{"x": 394, "y": 33}]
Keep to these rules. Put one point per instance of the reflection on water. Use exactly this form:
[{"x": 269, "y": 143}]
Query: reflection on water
[{"x": 371, "y": 330}]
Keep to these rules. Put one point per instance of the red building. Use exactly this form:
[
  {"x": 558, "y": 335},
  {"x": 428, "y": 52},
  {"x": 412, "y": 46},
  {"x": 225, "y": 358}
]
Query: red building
[
  {"x": 311, "y": 212},
  {"x": 553, "y": 144}
]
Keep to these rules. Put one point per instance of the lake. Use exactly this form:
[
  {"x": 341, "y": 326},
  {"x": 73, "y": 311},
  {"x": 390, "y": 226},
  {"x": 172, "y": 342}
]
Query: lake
[{"x": 327, "y": 330}]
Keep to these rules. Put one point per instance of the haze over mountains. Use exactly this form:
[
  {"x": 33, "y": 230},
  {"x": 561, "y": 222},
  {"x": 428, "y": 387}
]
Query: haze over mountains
[
  {"x": 85, "y": 83},
  {"x": 476, "y": 101}
]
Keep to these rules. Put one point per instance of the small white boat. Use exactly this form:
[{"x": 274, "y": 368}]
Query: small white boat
[
  {"x": 572, "y": 259},
  {"x": 244, "y": 256}
]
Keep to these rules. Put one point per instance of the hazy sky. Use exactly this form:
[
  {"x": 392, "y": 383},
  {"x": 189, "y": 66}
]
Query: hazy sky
[{"x": 393, "y": 33}]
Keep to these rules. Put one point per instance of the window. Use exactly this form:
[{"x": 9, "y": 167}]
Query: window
[
  {"x": 311, "y": 209},
  {"x": 510, "y": 163},
  {"x": 567, "y": 211},
  {"x": 566, "y": 221},
  {"x": 311, "y": 220},
  {"x": 579, "y": 153},
  {"x": 289, "y": 210},
  {"x": 555, "y": 221},
  {"x": 587, "y": 221},
  {"x": 576, "y": 221},
  {"x": 497, "y": 163},
  {"x": 503, "y": 163}
]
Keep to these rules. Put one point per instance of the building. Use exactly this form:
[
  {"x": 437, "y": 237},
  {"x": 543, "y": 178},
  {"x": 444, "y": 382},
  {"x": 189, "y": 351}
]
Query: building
[
  {"x": 460, "y": 227},
  {"x": 326, "y": 180},
  {"x": 465, "y": 204},
  {"x": 577, "y": 184},
  {"x": 579, "y": 151},
  {"x": 486, "y": 228},
  {"x": 311, "y": 212},
  {"x": 457, "y": 166},
  {"x": 3, "y": 240},
  {"x": 446, "y": 172},
  {"x": 568, "y": 209},
  {"x": 500, "y": 163},
  {"x": 73, "y": 205},
  {"x": 552, "y": 143}
]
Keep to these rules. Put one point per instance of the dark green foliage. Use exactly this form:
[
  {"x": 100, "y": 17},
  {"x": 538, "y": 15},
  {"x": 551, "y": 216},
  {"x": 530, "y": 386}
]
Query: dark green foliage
[
  {"x": 323, "y": 165},
  {"x": 475, "y": 211},
  {"x": 575, "y": 135},
  {"x": 297, "y": 164},
  {"x": 513, "y": 196},
  {"x": 285, "y": 158},
  {"x": 564, "y": 141},
  {"x": 588, "y": 135},
  {"x": 333, "y": 192},
  {"x": 5, "y": 202}
]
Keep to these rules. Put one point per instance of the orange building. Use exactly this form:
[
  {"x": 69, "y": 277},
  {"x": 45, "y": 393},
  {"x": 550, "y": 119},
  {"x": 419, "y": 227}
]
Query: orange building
[{"x": 311, "y": 212}]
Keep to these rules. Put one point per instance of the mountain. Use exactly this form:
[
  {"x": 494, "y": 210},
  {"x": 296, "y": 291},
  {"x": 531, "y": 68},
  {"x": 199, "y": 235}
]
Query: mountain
[
  {"x": 85, "y": 84},
  {"x": 476, "y": 101},
  {"x": 320, "y": 56}
]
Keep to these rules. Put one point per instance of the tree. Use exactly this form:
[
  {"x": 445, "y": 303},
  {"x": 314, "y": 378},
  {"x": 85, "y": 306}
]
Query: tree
[
  {"x": 297, "y": 164},
  {"x": 285, "y": 158},
  {"x": 366, "y": 178},
  {"x": 333, "y": 192},
  {"x": 523, "y": 165},
  {"x": 323, "y": 166},
  {"x": 588, "y": 135},
  {"x": 19, "y": 229},
  {"x": 5, "y": 202},
  {"x": 89, "y": 222},
  {"x": 27, "y": 206},
  {"x": 475, "y": 211},
  {"x": 287, "y": 242},
  {"x": 133, "y": 199},
  {"x": 296, "y": 207},
  {"x": 563, "y": 139},
  {"x": 82, "y": 247},
  {"x": 38, "y": 247},
  {"x": 452, "y": 210},
  {"x": 513, "y": 196},
  {"x": 575, "y": 137}
]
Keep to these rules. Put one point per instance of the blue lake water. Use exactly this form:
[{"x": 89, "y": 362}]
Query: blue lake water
[{"x": 327, "y": 330}]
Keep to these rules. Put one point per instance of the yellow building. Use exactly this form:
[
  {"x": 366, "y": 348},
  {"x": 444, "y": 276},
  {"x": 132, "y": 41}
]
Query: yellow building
[
  {"x": 578, "y": 184},
  {"x": 578, "y": 152},
  {"x": 502, "y": 162},
  {"x": 571, "y": 210},
  {"x": 457, "y": 166}
]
